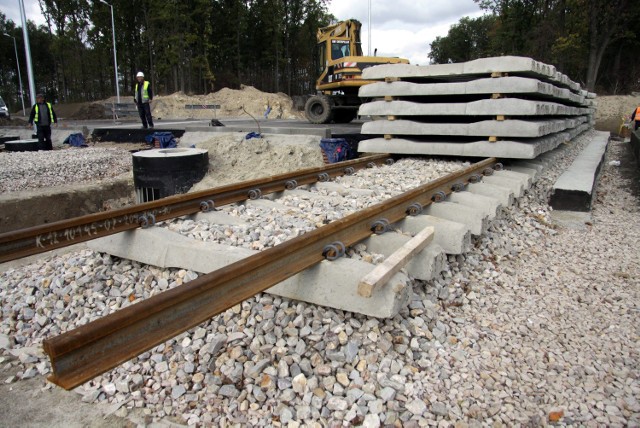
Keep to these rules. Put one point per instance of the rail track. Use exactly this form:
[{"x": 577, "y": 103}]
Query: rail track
[
  {"x": 35, "y": 240},
  {"x": 83, "y": 353}
]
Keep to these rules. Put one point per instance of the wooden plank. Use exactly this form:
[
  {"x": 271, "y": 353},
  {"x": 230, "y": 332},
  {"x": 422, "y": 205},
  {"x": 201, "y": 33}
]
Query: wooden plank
[
  {"x": 388, "y": 136},
  {"x": 500, "y": 118},
  {"x": 388, "y": 98},
  {"x": 396, "y": 261},
  {"x": 493, "y": 139},
  {"x": 392, "y": 79},
  {"x": 391, "y": 118}
]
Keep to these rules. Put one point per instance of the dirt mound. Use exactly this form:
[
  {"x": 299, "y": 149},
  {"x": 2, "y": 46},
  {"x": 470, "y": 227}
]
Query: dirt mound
[
  {"x": 232, "y": 102},
  {"x": 12, "y": 122},
  {"x": 613, "y": 110},
  {"x": 90, "y": 111}
]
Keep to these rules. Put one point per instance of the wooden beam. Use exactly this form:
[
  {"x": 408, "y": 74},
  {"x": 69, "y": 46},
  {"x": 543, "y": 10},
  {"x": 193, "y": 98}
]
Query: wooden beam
[
  {"x": 493, "y": 139},
  {"x": 388, "y": 136},
  {"x": 396, "y": 261},
  {"x": 388, "y": 98},
  {"x": 391, "y": 79},
  {"x": 391, "y": 118}
]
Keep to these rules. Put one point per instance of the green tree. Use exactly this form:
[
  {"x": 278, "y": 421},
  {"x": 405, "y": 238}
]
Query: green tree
[{"x": 468, "y": 39}]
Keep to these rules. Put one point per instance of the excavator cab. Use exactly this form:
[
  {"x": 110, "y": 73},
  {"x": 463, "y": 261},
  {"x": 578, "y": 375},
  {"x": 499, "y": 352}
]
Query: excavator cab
[{"x": 340, "y": 63}]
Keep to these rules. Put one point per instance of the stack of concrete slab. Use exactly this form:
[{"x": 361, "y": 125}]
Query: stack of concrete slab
[{"x": 507, "y": 107}]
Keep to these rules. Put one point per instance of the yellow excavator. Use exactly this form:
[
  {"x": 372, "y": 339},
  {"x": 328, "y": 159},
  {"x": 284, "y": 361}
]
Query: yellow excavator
[{"x": 340, "y": 65}]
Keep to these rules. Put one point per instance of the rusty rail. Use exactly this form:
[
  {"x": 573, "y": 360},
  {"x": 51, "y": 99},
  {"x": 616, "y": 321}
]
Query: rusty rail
[
  {"x": 38, "y": 239},
  {"x": 90, "y": 350}
]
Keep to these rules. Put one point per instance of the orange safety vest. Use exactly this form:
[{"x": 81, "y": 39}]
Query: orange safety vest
[{"x": 637, "y": 116}]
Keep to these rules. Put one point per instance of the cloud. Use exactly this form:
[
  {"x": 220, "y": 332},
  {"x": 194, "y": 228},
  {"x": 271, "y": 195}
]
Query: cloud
[
  {"x": 404, "y": 28},
  {"x": 32, "y": 10}
]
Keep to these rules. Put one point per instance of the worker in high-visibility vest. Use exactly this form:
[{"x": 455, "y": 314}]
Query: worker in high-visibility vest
[
  {"x": 142, "y": 96},
  {"x": 43, "y": 115},
  {"x": 635, "y": 116}
]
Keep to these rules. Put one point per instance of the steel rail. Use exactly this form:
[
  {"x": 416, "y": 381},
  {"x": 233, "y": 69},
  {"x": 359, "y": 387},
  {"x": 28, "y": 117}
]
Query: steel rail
[
  {"x": 38, "y": 239},
  {"x": 90, "y": 350}
]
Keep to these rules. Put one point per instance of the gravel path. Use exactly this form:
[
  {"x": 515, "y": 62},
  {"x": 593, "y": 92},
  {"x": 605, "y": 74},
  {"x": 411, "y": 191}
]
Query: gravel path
[
  {"x": 34, "y": 170},
  {"x": 537, "y": 324}
]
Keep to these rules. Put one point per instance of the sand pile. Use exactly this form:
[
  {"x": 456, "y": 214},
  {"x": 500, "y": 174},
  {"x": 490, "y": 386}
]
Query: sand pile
[
  {"x": 231, "y": 104},
  {"x": 233, "y": 159}
]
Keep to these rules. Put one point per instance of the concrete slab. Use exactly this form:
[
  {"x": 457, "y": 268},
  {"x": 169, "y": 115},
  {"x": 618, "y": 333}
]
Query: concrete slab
[
  {"x": 333, "y": 284},
  {"x": 502, "y": 85},
  {"x": 511, "y": 128},
  {"x": 574, "y": 189},
  {"x": 491, "y": 107},
  {"x": 514, "y": 149},
  {"x": 482, "y": 66},
  {"x": 453, "y": 237}
]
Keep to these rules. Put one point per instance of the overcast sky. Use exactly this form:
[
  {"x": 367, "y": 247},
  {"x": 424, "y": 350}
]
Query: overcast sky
[{"x": 402, "y": 28}]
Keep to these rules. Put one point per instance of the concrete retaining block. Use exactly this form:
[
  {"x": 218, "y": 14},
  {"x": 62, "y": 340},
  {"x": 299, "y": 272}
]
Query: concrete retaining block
[{"x": 574, "y": 189}]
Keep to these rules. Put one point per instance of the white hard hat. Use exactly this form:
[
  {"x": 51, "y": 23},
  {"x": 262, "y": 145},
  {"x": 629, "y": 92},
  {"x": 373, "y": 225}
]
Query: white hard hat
[{"x": 140, "y": 74}]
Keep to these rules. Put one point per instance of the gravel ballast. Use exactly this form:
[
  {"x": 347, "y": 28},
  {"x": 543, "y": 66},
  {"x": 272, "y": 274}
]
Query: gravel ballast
[{"x": 537, "y": 324}]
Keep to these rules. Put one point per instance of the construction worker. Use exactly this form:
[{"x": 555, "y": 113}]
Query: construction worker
[
  {"x": 635, "y": 116},
  {"x": 142, "y": 96},
  {"x": 43, "y": 116}
]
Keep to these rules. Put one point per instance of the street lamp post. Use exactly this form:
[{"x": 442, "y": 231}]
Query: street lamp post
[
  {"x": 115, "y": 59},
  {"x": 15, "y": 46}
]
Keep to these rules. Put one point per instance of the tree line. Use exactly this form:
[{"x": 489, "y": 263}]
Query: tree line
[
  {"x": 199, "y": 46},
  {"x": 594, "y": 42},
  {"x": 194, "y": 46}
]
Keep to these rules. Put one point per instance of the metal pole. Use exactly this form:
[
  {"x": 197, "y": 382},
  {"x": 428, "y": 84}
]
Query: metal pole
[
  {"x": 369, "y": 47},
  {"x": 15, "y": 47},
  {"x": 115, "y": 56},
  {"x": 27, "y": 50}
]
